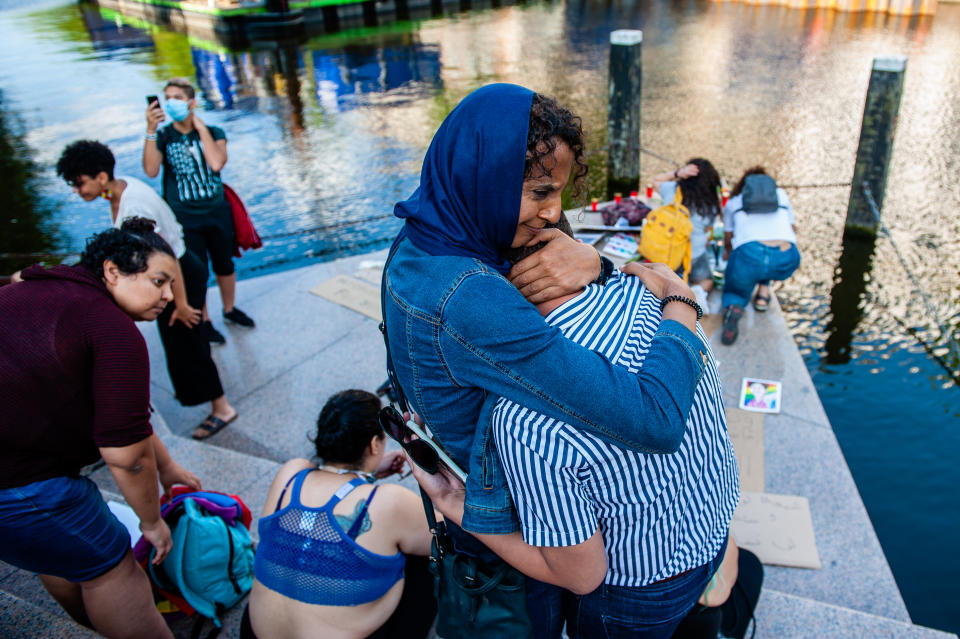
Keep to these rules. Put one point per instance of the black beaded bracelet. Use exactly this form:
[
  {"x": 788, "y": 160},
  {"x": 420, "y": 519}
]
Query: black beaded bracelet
[{"x": 685, "y": 300}]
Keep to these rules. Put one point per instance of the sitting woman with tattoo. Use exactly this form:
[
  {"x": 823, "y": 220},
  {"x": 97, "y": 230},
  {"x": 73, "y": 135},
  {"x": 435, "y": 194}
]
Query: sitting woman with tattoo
[{"x": 334, "y": 555}]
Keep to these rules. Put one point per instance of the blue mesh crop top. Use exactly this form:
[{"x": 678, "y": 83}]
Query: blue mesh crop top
[{"x": 304, "y": 554}]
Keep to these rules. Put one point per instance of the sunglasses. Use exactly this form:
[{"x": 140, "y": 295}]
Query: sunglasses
[{"x": 423, "y": 450}]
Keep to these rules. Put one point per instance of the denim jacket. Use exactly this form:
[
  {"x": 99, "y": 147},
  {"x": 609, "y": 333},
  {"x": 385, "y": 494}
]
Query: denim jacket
[{"x": 461, "y": 335}]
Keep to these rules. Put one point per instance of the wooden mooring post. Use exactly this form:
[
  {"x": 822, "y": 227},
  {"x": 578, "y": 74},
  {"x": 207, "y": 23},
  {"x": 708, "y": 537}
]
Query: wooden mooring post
[
  {"x": 876, "y": 143},
  {"x": 623, "y": 112}
]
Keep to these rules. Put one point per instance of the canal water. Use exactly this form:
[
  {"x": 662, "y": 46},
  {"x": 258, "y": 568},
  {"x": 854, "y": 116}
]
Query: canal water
[{"x": 326, "y": 133}]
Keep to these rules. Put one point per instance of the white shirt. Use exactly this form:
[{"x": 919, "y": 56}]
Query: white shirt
[
  {"x": 139, "y": 200},
  {"x": 659, "y": 515},
  {"x": 759, "y": 227}
]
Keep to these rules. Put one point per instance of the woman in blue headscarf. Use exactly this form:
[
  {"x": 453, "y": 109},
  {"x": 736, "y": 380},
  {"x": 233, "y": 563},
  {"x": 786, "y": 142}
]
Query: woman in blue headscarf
[{"x": 460, "y": 330}]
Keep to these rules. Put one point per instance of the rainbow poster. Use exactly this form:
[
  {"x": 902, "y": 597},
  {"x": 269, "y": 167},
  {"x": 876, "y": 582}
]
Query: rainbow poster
[{"x": 760, "y": 395}]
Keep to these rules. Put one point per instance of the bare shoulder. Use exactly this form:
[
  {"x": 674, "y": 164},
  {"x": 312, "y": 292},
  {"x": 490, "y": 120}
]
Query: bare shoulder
[
  {"x": 284, "y": 475},
  {"x": 394, "y": 500}
]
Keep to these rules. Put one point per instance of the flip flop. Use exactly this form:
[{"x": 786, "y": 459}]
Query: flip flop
[
  {"x": 761, "y": 303},
  {"x": 211, "y": 426}
]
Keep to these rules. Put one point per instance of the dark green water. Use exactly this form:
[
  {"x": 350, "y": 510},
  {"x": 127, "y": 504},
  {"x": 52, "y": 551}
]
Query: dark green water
[{"x": 330, "y": 132}]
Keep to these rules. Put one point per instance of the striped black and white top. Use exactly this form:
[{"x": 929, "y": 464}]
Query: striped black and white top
[{"x": 659, "y": 515}]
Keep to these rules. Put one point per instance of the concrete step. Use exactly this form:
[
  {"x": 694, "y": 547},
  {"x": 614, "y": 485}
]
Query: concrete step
[
  {"x": 784, "y": 616},
  {"x": 20, "y": 619}
]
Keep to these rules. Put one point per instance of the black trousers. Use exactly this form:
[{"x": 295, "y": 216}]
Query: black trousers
[{"x": 192, "y": 370}]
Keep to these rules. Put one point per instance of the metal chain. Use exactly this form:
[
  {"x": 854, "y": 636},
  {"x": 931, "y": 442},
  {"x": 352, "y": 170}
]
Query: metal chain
[{"x": 945, "y": 333}]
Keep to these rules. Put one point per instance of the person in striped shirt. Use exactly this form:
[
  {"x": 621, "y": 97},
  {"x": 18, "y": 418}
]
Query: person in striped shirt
[{"x": 663, "y": 519}]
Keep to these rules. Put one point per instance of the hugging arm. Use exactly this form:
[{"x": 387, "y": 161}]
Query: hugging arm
[
  {"x": 508, "y": 350},
  {"x": 579, "y": 568}
]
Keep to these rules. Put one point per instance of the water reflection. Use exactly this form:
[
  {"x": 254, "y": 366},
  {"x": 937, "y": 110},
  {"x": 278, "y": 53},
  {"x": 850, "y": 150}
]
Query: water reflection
[
  {"x": 26, "y": 224},
  {"x": 847, "y": 297},
  {"x": 108, "y": 33}
]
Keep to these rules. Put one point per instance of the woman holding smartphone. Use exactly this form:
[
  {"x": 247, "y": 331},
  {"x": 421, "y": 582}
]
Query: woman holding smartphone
[{"x": 339, "y": 556}]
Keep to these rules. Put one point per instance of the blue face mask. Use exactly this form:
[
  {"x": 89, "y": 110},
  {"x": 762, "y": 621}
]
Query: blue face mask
[{"x": 177, "y": 109}]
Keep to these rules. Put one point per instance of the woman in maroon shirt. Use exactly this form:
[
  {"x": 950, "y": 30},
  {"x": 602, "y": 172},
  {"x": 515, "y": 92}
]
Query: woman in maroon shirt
[{"x": 74, "y": 384}]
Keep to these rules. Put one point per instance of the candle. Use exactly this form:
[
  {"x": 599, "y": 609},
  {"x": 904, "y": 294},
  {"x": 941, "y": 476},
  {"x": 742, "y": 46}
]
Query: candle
[
  {"x": 617, "y": 197},
  {"x": 649, "y": 191},
  {"x": 634, "y": 194},
  {"x": 593, "y": 204}
]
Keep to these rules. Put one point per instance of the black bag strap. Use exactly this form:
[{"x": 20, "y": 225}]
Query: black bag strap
[
  {"x": 391, "y": 372},
  {"x": 437, "y": 529}
]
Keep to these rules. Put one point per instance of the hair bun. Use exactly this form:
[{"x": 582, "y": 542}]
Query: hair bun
[{"x": 138, "y": 225}]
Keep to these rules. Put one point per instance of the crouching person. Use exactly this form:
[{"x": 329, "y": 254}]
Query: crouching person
[
  {"x": 75, "y": 387},
  {"x": 658, "y": 522},
  {"x": 339, "y": 557}
]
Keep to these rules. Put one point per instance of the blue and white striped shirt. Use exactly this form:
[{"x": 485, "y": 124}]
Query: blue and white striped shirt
[{"x": 660, "y": 515}]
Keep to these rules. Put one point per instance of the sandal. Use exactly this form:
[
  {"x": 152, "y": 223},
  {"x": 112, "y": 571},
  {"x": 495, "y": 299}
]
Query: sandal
[
  {"x": 211, "y": 426},
  {"x": 761, "y": 303}
]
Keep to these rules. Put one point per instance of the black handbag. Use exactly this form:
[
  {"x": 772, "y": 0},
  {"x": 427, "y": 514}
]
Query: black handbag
[{"x": 474, "y": 599}]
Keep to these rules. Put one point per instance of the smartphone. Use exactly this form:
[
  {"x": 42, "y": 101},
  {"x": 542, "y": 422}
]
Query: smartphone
[
  {"x": 444, "y": 457},
  {"x": 151, "y": 99}
]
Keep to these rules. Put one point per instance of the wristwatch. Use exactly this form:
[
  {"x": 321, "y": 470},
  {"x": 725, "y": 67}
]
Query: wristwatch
[{"x": 606, "y": 270}]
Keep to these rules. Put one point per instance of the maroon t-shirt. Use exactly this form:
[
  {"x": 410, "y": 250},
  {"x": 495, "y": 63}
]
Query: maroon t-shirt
[{"x": 74, "y": 375}]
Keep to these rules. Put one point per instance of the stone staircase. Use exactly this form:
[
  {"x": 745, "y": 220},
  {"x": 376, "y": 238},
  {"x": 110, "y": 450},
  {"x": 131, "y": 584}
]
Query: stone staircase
[{"x": 305, "y": 348}]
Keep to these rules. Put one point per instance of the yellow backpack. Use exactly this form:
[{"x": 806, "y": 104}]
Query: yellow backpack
[{"x": 666, "y": 235}]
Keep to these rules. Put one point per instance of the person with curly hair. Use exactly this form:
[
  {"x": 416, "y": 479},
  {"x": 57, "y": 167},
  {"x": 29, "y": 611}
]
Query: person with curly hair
[
  {"x": 699, "y": 185},
  {"x": 353, "y": 564},
  {"x": 75, "y": 388},
  {"x": 88, "y": 167},
  {"x": 460, "y": 330}
]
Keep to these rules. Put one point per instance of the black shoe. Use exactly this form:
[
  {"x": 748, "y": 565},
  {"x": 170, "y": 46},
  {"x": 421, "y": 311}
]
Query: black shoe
[
  {"x": 213, "y": 335},
  {"x": 731, "y": 317},
  {"x": 239, "y": 318}
]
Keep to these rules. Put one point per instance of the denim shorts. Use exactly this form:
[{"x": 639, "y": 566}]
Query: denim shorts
[{"x": 60, "y": 527}]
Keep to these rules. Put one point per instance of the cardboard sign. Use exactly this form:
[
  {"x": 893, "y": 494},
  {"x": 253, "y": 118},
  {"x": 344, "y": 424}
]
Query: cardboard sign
[
  {"x": 778, "y": 528},
  {"x": 371, "y": 271},
  {"x": 352, "y": 293},
  {"x": 746, "y": 432}
]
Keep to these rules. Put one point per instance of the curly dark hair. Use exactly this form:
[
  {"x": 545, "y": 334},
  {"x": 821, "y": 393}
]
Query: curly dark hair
[
  {"x": 701, "y": 193},
  {"x": 345, "y": 426},
  {"x": 754, "y": 170},
  {"x": 85, "y": 157},
  {"x": 129, "y": 247},
  {"x": 550, "y": 122}
]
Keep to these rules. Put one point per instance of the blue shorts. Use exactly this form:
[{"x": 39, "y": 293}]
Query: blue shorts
[{"x": 60, "y": 527}]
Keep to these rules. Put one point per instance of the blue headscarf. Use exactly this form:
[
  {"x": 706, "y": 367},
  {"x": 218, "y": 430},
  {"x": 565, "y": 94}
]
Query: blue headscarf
[{"x": 468, "y": 201}]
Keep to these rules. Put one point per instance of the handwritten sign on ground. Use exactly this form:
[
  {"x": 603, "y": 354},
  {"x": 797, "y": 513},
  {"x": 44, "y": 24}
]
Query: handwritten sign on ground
[
  {"x": 352, "y": 293},
  {"x": 746, "y": 432},
  {"x": 371, "y": 271},
  {"x": 778, "y": 528}
]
